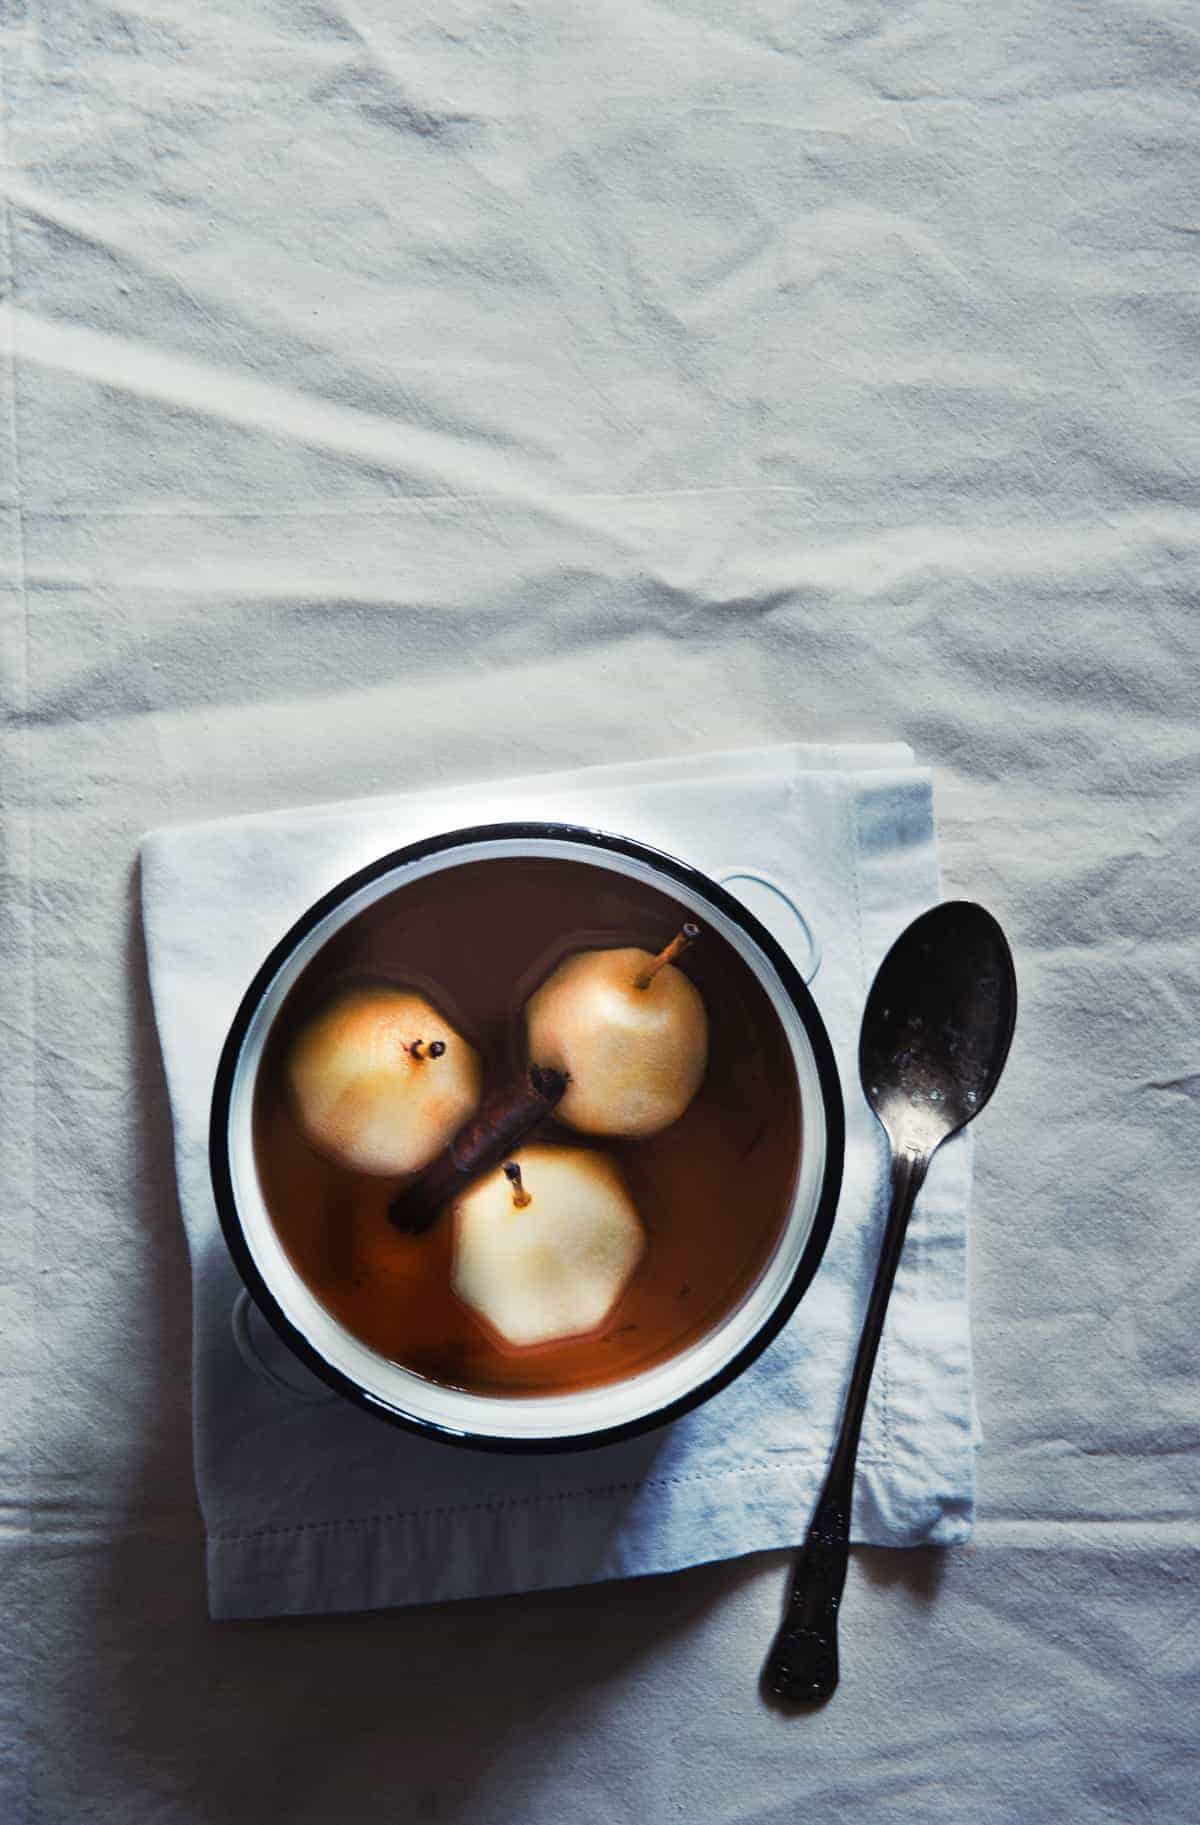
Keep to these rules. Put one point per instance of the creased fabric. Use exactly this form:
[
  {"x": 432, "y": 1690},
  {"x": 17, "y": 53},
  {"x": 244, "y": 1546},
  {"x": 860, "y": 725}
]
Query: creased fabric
[{"x": 398, "y": 396}]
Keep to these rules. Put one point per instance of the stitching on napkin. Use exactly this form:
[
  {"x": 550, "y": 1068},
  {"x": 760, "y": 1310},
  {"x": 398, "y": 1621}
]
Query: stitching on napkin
[
  {"x": 520, "y": 1501},
  {"x": 855, "y": 804}
]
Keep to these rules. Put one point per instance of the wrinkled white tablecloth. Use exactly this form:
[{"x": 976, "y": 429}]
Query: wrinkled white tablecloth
[{"x": 398, "y": 395}]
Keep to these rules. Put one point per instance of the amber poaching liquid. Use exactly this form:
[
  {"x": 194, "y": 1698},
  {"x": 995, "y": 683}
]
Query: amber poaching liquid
[{"x": 713, "y": 1190}]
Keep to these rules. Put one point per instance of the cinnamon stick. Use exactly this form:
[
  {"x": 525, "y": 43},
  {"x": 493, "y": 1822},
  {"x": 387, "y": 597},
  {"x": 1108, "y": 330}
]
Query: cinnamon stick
[{"x": 492, "y": 1136}]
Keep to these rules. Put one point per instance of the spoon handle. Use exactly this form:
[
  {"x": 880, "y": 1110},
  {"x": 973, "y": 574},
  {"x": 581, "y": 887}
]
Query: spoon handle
[{"x": 803, "y": 1663}]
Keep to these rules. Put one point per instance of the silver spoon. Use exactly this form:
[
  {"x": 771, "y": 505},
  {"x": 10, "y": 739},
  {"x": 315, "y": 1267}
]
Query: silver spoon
[{"x": 935, "y": 1035}]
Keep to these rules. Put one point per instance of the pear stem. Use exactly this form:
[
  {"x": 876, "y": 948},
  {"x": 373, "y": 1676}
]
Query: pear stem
[
  {"x": 679, "y": 943},
  {"x": 520, "y": 1196}
]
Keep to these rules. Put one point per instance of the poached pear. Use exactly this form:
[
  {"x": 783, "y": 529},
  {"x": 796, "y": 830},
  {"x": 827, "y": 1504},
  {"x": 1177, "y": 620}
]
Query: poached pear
[
  {"x": 380, "y": 1081},
  {"x": 630, "y": 1031},
  {"x": 544, "y": 1246}
]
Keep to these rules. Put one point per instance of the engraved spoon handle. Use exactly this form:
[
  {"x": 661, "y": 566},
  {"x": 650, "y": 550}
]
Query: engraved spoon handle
[{"x": 803, "y": 1663}]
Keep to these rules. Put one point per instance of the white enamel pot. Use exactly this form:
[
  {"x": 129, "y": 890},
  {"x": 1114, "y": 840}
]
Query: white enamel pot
[{"x": 551, "y": 1422}]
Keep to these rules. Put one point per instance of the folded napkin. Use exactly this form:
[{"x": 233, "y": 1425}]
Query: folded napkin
[{"x": 311, "y": 1504}]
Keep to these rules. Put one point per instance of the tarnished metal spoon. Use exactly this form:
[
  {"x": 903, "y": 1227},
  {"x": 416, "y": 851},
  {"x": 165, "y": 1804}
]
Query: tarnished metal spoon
[{"x": 935, "y": 1035}]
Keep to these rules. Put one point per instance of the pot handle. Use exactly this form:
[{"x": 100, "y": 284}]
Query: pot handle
[
  {"x": 770, "y": 901},
  {"x": 268, "y": 1357}
]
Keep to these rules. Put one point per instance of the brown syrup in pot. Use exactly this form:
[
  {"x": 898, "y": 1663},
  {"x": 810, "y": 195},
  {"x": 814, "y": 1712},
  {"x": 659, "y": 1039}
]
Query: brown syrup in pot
[{"x": 713, "y": 1190}]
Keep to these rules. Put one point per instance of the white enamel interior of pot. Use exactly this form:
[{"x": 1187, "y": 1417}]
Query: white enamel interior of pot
[{"x": 526, "y": 1418}]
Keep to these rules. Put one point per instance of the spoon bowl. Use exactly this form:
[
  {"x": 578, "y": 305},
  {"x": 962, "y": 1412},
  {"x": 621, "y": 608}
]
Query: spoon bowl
[{"x": 938, "y": 1024}]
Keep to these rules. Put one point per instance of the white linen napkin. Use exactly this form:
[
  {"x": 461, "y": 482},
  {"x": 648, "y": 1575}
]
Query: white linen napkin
[{"x": 312, "y": 1505}]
